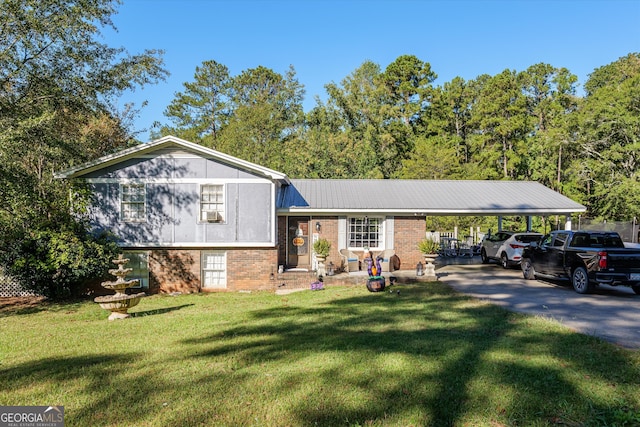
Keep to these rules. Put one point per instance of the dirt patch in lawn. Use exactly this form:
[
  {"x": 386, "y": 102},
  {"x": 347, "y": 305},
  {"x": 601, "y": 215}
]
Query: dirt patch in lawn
[{"x": 20, "y": 305}]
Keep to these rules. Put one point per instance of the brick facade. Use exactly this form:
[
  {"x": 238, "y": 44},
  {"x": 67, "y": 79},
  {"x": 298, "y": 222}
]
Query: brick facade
[
  {"x": 329, "y": 231},
  {"x": 174, "y": 270},
  {"x": 180, "y": 270},
  {"x": 409, "y": 230},
  {"x": 251, "y": 268}
]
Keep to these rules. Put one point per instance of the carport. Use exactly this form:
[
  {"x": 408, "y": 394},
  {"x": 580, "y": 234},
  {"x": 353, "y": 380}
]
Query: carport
[
  {"x": 426, "y": 198},
  {"x": 394, "y": 211}
]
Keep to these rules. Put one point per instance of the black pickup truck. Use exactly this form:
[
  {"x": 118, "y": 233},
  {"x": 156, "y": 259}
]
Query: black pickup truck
[{"x": 587, "y": 258}]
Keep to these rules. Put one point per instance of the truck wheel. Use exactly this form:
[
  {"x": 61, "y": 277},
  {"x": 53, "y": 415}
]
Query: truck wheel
[
  {"x": 528, "y": 271},
  {"x": 483, "y": 255},
  {"x": 580, "y": 280},
  {"x": 504, "y": 261},
  {"x": 636, "y": 289}
]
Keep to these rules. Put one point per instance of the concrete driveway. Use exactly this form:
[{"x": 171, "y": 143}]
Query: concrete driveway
[{"x": 611, "y": 313}]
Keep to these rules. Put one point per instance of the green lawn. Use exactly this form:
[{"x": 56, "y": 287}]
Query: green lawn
[{"x": 337, "y": 357}]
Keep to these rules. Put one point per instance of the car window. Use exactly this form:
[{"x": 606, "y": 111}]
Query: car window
[
  {"x": 503, "y": 236},
  {"x": 527, "y": 238},
  {"x": 546, "y": 240},
  {"x": 581, "y": 240},
  {"x": 559, "y": 240},
  {"x": 613, "y": 241}
]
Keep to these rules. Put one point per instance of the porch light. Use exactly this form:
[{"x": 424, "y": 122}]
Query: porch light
[
  {"x": 318, "y": 226},
  {"x": 419, "y": 269}
]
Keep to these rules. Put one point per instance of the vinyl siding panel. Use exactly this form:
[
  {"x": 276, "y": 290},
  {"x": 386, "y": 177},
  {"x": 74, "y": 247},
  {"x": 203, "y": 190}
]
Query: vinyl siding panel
[{"x": 172, "y": 203}]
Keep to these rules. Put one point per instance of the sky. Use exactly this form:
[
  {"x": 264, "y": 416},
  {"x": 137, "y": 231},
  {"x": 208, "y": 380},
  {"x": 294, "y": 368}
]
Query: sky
[{"x": 327, "y": 40}]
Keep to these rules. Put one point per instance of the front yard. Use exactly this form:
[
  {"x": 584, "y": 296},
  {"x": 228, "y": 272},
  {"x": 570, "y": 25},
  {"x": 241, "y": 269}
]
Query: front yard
[{"x": 341, "y": 356}]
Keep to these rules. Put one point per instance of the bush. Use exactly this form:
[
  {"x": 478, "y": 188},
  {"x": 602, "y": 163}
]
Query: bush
[
  {"x": 428, "y": 246},
  {"x": 57, "y": 263},
  {"x": 322, "y": 247}
]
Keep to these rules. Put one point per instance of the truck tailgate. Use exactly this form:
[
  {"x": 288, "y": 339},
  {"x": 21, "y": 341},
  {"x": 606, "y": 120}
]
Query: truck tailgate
[{"x": 624, "y": 259}]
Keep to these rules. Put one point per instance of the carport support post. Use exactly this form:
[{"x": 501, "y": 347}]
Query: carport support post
[
  {"x": 499, "y": 223},
  {"x": 529, "y": 223}
]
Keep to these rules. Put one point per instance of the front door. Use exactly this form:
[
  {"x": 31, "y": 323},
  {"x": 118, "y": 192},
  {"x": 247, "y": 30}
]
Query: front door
[{"x": 298, "y": 245}]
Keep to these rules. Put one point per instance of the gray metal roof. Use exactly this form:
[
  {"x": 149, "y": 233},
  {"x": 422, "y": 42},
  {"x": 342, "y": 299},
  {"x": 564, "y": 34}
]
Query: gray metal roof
[{"x": 447, "y": 197}]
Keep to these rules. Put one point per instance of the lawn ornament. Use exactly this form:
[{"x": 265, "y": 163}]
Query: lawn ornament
[
  {"x": 376, "y": 282},
  {"x": 119, "y": 303}
]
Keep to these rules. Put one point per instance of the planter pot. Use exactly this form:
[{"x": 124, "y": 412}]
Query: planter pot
[
  {"x": 430, "y": 258},
  {"x": 429, "y": 268},
  {"x": 321, "y": 268}
]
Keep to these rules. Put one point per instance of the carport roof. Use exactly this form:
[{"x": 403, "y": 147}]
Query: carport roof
[{"x": 422, "y": 197}]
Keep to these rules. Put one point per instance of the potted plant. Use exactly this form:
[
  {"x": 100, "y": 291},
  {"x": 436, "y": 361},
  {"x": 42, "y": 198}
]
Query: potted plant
[
  {"x": 322, "y": 247},
  {"x": 428, "y": 247}
]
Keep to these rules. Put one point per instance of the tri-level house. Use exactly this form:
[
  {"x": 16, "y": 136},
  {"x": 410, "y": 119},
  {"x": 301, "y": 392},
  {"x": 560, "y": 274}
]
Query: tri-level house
[{"x": 193, "y": 219}]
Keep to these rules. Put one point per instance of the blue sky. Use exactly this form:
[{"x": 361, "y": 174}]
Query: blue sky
[{"x": 326, "y": 40}]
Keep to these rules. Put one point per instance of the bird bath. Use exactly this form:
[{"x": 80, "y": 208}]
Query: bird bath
[{"x": 120, "y": 302}]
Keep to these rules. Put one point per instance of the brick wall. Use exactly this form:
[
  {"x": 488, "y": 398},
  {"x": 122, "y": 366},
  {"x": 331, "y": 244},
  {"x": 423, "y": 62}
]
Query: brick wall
[
  {"x": 329, "y": 231},
  {"x": 174, "y": 270},
  {"x": 409, "y": 230},
  {"x": 179, "y": 270},
  {"x": 251, "y": 268}
]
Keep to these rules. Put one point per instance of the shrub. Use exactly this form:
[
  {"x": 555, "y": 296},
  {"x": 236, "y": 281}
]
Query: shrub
[
  {"x": 322, "y": 247},
  {"x": 58, "y": 263},
  {"x": 428, "y": 246}
]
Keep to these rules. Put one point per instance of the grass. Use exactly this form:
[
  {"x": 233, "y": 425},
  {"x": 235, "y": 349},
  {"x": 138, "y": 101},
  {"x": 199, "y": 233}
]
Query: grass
[{"x": 338, "y": 357}]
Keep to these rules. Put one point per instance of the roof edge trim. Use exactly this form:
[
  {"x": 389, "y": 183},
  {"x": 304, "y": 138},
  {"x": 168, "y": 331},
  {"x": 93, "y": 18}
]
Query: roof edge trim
[{"x": 128, "y": 153}]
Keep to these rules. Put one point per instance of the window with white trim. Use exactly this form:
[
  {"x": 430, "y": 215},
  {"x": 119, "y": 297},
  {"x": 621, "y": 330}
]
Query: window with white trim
[
  {"x": 139, "y": 262},
  {"x": 214, "y": 270},
  {"x": 132, "y": 202},
  {"x": 365, "y": 232},
  {"x": 212, "y": 203}
]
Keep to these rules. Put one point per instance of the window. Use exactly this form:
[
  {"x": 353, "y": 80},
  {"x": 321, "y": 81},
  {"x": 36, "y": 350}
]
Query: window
[
  {"x": 132, "y": 204},
  {"x": 214, "y": 270},
  {"x": 365, "y": 233},
  {"x": 139, "y": 262},
  {"x": 560, "y": 239},
  {"x": 212, "y": 203}
]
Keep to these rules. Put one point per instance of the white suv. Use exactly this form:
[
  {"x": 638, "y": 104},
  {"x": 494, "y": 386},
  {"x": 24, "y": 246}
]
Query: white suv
[{"x": 506, "y": 246}]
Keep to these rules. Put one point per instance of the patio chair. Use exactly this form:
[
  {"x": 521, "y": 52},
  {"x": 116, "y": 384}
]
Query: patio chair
[
  {"x": 350, "y": 261},
  {"x": 385, "y": 262}
]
